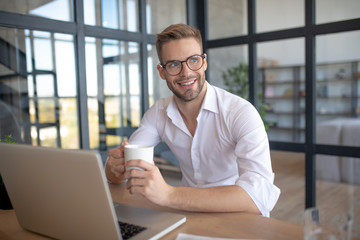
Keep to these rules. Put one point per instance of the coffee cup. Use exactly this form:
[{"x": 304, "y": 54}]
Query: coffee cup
[{"x": 143, "y": 152}]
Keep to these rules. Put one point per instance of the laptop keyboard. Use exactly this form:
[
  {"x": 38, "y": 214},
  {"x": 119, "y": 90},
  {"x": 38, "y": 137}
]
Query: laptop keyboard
[{"x": 129, "y": 230}]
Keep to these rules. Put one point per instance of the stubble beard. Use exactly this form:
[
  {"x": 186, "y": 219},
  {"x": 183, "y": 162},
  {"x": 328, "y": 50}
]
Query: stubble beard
[{"x": 189, "y": 94}]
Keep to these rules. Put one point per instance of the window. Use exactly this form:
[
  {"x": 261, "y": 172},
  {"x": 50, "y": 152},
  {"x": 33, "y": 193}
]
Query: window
[
  {"x": 162, "y": 13},
  {"x": 157, "y": 86},
  {"x": 115, "y": 14},
  {"x": 307, "y": 72},
  {"x": 278, "y": 15},
  {"x": 54, "y": 9},
  {"x": 332, "y": 10},
  {"x": 38, "y": 84},
  {"x": 59, "y": 89},
  {"x": 282, "y": 78},
  {"x": 113, "y": 89},
  {"x": 230, "y": 21},
  {"x": 223, "y": 59}
]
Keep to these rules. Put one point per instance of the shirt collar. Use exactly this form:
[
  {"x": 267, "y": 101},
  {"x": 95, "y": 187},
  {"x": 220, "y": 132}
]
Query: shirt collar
[{"x": 210, "y": 100}]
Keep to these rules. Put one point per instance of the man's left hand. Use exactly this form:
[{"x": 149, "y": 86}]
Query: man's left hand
[{"x": 148, "y": 182}]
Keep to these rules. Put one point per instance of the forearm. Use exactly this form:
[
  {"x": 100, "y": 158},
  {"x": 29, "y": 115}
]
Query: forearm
[{"x": 215, "y": 199}]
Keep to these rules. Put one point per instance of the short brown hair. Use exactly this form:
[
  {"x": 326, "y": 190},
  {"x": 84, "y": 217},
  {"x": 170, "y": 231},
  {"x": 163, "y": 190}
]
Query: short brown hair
[{"x": 177, "y": 32}]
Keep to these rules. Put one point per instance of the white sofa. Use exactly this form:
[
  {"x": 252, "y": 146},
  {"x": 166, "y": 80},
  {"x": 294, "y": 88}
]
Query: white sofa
[{"x": 336, "y": 168}]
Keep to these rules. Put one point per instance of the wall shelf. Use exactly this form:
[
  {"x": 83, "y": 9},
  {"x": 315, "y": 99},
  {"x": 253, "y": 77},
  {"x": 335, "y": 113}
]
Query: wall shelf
[{"x": 337, "y": 96}]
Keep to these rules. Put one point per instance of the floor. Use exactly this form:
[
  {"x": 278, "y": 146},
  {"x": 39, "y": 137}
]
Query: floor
[
  {"x": 289, "y": 171},
  {"x": 335, "y": 197}
]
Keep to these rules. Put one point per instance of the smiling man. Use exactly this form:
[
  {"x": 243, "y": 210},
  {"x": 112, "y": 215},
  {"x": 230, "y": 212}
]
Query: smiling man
[{"x": 219, "y": 139}]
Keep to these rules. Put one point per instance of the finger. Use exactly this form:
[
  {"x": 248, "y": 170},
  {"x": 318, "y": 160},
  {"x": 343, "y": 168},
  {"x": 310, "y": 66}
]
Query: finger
[
  {"x": 118, "y": 170},
  {"x": 123, "y": 144},
  {"x": 136, "y": 190},
  {"x": 115, "y": 153},
  {"x": 135, "y": 173},
  {"x": 132, "y": 182},
  {"x": 122, "y": 147},
  {"x": 115, "y": 162},
  {"x": 140, "y": 163},
  {"x": 134, "y": 185}
]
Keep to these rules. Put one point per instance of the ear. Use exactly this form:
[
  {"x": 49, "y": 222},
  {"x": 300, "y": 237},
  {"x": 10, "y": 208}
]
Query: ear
[
  {"x": 205, "y": 62},
  {"x": 161, "y": 72}
]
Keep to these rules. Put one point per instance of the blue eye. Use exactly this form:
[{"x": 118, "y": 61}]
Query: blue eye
[
  {"x": 194, "y": 60},
  {"x": 173, "y": 64}
]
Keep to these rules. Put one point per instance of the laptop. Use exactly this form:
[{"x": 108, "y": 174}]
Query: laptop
[{"x": 64, "y": 194}]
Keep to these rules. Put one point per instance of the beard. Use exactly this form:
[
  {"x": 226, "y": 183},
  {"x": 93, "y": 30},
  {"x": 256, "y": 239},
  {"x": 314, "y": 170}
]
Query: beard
[{"x": 189, "y": 94}]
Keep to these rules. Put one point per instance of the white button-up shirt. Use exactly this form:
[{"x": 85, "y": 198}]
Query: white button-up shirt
[{"x": 229, "y": 147}]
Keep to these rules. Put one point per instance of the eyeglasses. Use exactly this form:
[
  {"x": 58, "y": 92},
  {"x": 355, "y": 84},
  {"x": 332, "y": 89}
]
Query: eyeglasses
[{"x": 194, "y": 63}]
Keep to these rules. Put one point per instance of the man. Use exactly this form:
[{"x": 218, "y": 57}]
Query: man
[{"x": 219, "y": 139}]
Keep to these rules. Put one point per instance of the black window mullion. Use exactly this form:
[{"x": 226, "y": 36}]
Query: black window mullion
[
  {"x": 121, "y": 35},
  {"x": 310, "y": 85},
  {"x": 191, "y": 12},
  {"x": 16, "y": 20},
  {"x": 81, "y": 76},
  {"x": 253, "y": 88},
  {"x": 197, "y": 16},
  {"x": 143, "y": 58}
]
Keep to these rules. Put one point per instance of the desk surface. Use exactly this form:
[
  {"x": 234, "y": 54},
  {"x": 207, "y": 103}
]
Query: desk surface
[{"x": 225, "y": 225}]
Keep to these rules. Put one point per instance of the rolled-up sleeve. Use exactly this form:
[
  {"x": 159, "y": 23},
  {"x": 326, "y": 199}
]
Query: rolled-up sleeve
[
  {"x": 254, "y": 164},
  {"x": 264, "y": 193}
]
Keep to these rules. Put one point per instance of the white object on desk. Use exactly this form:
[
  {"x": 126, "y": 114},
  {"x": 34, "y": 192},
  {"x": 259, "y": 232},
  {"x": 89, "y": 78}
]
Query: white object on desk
[{"x": 184, "y": 236}]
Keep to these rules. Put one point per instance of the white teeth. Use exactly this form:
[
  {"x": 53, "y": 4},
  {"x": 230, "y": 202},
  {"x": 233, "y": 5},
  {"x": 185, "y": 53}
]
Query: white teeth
[{"x": 187, "y": 84}]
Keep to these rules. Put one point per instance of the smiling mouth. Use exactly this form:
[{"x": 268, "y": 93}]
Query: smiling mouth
[{"x": 187, "y": 83}]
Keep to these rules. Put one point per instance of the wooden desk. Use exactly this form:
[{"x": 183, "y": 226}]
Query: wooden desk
[{"x": 226, "y": 225}]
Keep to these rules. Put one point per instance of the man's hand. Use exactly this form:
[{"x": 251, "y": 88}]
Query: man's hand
[
  {"x": 115, "y": 164},
  {"x": 152, "y": 186},
  {"x": 148, "y": 182}
]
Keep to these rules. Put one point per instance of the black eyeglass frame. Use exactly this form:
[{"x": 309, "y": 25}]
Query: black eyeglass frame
[{"x": 181, "y": 64}]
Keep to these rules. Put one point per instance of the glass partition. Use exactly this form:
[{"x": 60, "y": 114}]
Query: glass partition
[
  {"x": 338, "y": 89},
  {"x": 333, "y": 10},
  {"x": 289, "y": 170},
  {"x": 113, "y": 87},
  {"x": 227, "y": 18},
  {"x": 274, "y": 15},
  {"x": 157, "y": 86},
  {"x": 338, "y": 179},
  {"x": 221, "y": 60},
  {"x": 53, "y": 9},
  {"x": 38, "y": 87},
  {"x": 115, "y": 14},
  {"x": 282, "y": 76},
  {"x": 162, "y": 13}
]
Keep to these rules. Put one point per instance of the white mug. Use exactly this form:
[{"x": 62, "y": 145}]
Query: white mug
[{"x": 143, "y": 152}]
